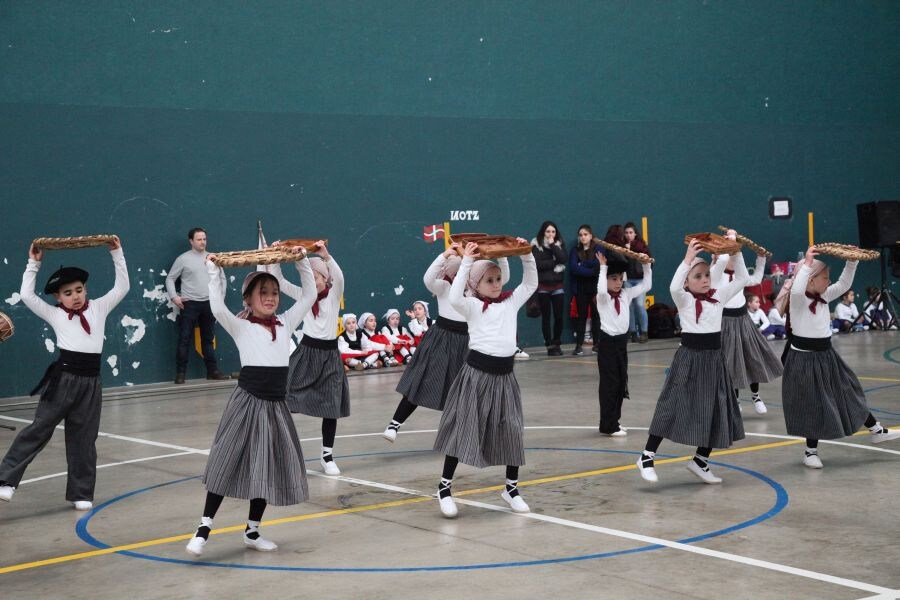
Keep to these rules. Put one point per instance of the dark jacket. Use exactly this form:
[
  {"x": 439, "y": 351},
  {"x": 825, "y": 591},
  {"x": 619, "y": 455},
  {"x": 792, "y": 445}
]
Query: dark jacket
[
  {"x": 547, "y": 260},
  {"x": 583, "y": 272},
  {"x": 635, "y": 269}
]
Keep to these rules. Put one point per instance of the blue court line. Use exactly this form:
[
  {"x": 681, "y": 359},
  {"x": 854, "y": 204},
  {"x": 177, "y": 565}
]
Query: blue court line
[
  {"x": 781, "y": 501},
  {"x": 889, "y": 352}
]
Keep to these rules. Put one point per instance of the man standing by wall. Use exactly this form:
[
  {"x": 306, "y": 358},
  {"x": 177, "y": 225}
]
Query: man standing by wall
[{"x": 193, "y": 301}]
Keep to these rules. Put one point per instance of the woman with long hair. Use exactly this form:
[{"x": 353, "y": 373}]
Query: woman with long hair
[
  {"x": 584, "y": 270},
  {"x": 549, "y": 252}
]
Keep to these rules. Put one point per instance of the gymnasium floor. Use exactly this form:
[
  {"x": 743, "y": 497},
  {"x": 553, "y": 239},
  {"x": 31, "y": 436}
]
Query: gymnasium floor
[{"x": 773, "y": 529}]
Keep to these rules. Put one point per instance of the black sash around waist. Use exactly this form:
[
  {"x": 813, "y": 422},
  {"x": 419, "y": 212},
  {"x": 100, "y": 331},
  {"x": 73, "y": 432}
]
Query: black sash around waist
[
  {"x": 85, "y": 364},
  {"x": 702, "y": 341},
  {"x": 615, "y": 340},
  {"x": 451, "y": 325},
  {"x": 810, "y": 344},
  {"x": 496, "y": 365},
  {"x": 734, "y": 312},
  {"x": 320, "y": 344},
  {"x": 266, "y": 383}
]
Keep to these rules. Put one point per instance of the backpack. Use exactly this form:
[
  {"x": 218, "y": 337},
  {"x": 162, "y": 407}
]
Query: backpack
[{"x": 660, "y": 321}]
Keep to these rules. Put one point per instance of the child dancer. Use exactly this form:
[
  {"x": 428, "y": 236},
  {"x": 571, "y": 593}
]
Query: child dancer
[
  {"x": 256, "y": 453},
  {"x": 748, "y": 357},
  {"x": 398, "y": 335},
  {"x": 376, "y": 341},
  {"x": 613, "y": 308},
  {"x": 442, "y": 353},
  {"x": 482, "y": 423},
  {"x": 71, "y": 387},
  {"x": 352, "y": 346},
  {"x": 697, "y": 405},
  {"x": 845, "y": 315},
  {"x": 761, "y": 322},
  {"x": 317, "y": 384},
  {"x": 823, "y": 399},
  {"x": 420, "y": 322}
]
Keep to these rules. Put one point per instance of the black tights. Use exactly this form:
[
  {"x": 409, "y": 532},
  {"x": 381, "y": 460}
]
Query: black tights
[
  {"x": 404, "y": 409},
  {"x": 450, "y": 463},
  {"x": 214, "y": 501},
  {"x": 870, "y": 422},
  {"x": 653, "y": 442},
  {"x": 329, "y": 430},
  {"x": 551, "y": 303}
]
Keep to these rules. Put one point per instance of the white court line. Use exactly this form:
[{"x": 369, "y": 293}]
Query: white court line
[
  {"x": 115, "y": 464},
  {"x": 745, "y": 560}
]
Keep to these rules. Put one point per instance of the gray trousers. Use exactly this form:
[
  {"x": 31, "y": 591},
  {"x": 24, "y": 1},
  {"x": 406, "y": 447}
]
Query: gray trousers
[{"x": 77, "y": 400}]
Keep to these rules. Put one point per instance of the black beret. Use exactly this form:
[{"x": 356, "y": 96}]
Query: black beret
[
  {"x": 615, "y": 266},
  {"x": 63, "y": 276}
]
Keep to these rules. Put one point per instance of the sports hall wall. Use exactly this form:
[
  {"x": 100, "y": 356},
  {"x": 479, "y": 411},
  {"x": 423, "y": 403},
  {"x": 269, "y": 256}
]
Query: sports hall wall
[{"x": 363, "y": 122}]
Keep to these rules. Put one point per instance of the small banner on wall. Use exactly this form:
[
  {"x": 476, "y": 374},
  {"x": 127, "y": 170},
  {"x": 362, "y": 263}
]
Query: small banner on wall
[{"x": 433, "y": 233}]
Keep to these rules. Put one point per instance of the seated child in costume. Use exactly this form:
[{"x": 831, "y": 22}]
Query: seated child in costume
[
  {"x": 376, "y": 341},
  {"x": 768, "y": 329},
  {"x": 421, "y": 320},
  {"x": 398, "y": 335}
]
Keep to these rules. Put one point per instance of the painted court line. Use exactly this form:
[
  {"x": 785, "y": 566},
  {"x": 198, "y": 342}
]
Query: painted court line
[{"x": 115, "y": 464}]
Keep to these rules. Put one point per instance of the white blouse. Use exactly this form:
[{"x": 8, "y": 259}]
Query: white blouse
[
  {"x": 70, "y": 335},
  {"x": 323, "y": 327},
  {"x": 739, "y": 300},
  {"x": 254, "y": 341},
  {"x": 803, "y": 322},
  {"x": 711, "y": 317},
  {"x": 493, "y": 331},
  {"x": 441, "y": 289},
  {"x": 611, "y": 322}
]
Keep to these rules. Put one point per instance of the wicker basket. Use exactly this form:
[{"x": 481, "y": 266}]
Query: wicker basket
[
  {"x": 68, "y": 243},
  {"x": 7, "y": 329},
  {"x": 846, "y": 251},
  {"x": 749, "y": 243},
  {"x": 638, "y": 256},
  {"x": 714, "y": 243},
  {"x": 251, "y": 258},
  {"x": 492, "y": 246},
  {"x": 308, "y": 244}
]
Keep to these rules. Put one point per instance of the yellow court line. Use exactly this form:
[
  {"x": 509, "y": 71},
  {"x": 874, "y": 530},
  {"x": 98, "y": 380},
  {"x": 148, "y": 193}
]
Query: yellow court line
[{"x": 369, "y": 507}]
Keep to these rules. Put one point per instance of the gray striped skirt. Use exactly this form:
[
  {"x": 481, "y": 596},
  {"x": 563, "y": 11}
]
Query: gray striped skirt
[
  {"x": 823, "y": 399},
  {"x": 256, "y": 453},
  {"x": 697, "y": 405},
  {"x": 482, "y": 424},
  {"x": 317, "y": 385},
  {"x": 748, "y": 357},
  {"x": 441, "y": 355}
]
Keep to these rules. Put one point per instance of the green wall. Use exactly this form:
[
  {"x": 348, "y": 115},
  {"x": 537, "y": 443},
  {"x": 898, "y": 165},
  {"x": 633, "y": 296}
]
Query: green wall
[{"x": 363, "y": 122}]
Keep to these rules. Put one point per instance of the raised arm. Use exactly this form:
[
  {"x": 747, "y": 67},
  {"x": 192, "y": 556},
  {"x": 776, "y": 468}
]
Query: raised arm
[
  {"x": 529, "y": 283},
  {"x": 337, "y": 277},
  {"x": 680, "y": 296},
  {"x": 287, "y": 288},
  {"x": 837, "y": 289},
  {"x": 741, "y": 276},
  {"x": 717, "y": 268},
  {"x": 294, "y": 315},
  {"x": 29, "y": 298},
  {"x": 759, "y": 270},
  {"x": 644, "y": 286},
  {"x": 503, "y": 263},
  {"x": 457, "y": 290},
  {"x": 108, "y": 301},
  {"x": 228, "y": 321},
  {"x": 431, "y": 279}
]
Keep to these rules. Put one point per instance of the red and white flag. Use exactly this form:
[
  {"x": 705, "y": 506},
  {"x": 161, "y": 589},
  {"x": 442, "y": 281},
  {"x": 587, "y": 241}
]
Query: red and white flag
[{"x": 432, "y": 233}]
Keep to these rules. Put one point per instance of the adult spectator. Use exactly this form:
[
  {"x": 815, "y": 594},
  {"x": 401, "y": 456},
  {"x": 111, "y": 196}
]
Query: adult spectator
[
  {"x": 193, "y": 302},
  {"x": 551, "y": 258},
  {"x": 584, "y": 269},
  {"x": 638, "y": 315}
]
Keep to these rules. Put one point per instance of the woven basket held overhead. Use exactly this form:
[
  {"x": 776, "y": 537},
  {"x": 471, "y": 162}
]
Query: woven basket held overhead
[
  {"x": 251, "y": 258},
  {"x": 749, "y": 243},
  {"x": 307, "y": 243},
  {"x": 492, "y": 246},
  {"x": 846, "y": 251},
  {"x": 68, "y": 243},
  {"x": 638, "y": 256},
  {"x": 714, "y": 243},
  {"x": 7, "y": 329}
]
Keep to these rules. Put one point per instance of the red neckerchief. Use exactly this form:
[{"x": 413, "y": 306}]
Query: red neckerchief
[
  {"x": 269, "y": 322},
  {"x": 730, "y": 273},
  {"x": 816, "y": 299},
  {"x": 80, "y": 312},
  {"x": 699, "y": 298},
  {"x": 321, "y": 296},
  {"x": 615, "y": 296},
  {"x": 488, "y": 301}
]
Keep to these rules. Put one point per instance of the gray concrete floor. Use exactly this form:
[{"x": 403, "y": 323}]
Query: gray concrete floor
[{"x": 790, "y": 532}]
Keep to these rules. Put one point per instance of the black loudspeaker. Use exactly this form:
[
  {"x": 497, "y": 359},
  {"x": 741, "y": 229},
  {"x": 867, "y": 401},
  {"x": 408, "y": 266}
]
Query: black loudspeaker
[{"x": 879, "y": 223}]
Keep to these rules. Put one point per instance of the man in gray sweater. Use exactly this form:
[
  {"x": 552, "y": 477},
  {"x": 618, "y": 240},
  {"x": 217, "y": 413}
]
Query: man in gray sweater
[{"x": 193, "y": 301}]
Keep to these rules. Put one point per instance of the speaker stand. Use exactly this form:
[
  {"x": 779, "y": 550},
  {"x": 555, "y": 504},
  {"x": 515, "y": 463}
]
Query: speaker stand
[{"x": 885, "y": 298}]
